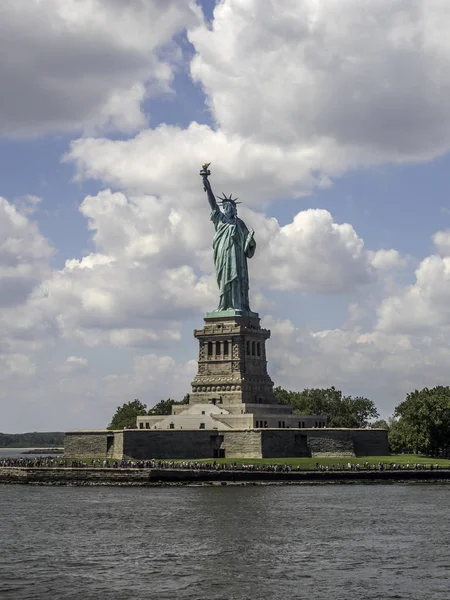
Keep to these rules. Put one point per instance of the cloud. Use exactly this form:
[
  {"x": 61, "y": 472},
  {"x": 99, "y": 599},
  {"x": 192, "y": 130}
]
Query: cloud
[
  {"x": 152, "y": 268},
  {"x": 441, "y": 240},
  {"x": 312, "y": 254},
  {"x": 167, "y": 160},
  {"x": 86, "y": 64},
  {"x": 74, "y": 364},
  {"x": 299, "y": 95},
  {"x": 12, "y": 365},
  {"x": 370, "y": 76},
  {"x": 141, "y": 281},
  {"x": 153, "y": 377},
  {"x": 384, "y": 366},
  {"x": 26, "y": 319},
  {"x": 73, "y": 395},
  {"x": 27, "y": 204},
  {"x": 24, "y": 255},
  {"x": 423, "y": 306},
  {"x": 387, "y": 259}
]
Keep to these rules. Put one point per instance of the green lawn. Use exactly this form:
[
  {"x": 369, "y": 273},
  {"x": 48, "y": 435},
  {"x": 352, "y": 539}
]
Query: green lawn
[
  {"x": 310, "y": 463},
  {"x": 307, "y": 463}
]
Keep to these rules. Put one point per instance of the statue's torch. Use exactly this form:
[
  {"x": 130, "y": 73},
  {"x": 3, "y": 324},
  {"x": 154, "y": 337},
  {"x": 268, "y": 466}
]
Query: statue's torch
[{"x": 205, "y": 173}]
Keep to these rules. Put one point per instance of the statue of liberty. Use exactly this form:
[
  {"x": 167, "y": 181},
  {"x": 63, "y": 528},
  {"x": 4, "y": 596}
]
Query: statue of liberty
[{"x": 233, "y": 243}]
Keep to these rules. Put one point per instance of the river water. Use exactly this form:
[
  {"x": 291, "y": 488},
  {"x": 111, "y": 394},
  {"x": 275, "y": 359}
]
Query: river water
[
  {"x": 24, "y": 453},
  {"x": 328, "y": 542}
]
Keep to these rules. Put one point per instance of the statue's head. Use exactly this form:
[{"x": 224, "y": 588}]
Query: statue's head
[
  {"x": 229, "y": 209},
  {"x": 229, "y": 205}
]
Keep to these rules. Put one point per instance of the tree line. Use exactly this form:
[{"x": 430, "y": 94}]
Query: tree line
[
  {"x": 125, "y": 415},
  {"x": 342, "y": 411},
  {"x": 420, "y": 424},
  {"x": 35, "y": 439}
]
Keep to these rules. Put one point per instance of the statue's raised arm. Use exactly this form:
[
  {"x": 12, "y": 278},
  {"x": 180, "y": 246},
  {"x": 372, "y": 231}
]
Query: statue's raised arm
[{"x": 205, "y": 173}]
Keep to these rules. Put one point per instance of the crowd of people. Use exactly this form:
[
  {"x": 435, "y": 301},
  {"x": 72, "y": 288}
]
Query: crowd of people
[
  {"x": 58, "y": 462},
  {"x": 39, "y": 461},
  {"x": 380, "y": 466}
]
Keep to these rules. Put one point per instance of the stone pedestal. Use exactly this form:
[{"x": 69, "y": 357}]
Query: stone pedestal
[{"x": 232, "y": 365}]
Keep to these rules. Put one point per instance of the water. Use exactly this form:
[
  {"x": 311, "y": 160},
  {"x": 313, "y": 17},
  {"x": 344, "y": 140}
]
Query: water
[
  {"x": 233, "y": 543},
  {"x": 23, "y": 453}
]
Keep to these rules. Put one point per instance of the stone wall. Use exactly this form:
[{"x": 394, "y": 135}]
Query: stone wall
[
  {"x": 331, "y": 446},
  {"x": 117, "y": 448},
  {"x": 86, "y": 443},
  {"x": 282, "y": 443},
  {"x": 371, "y": 442},
  {"x": 68, "y": 476},
  {"x": 153, "y": 419},
  {"x": 238, "y": 443},
  {"x": 149, "y": 477},
  {"x": 237, "y": 421},
  {"x": 167, "y": 444},
  {"x": 242, "y": 443},
  {"x": 347, "y": 442}
]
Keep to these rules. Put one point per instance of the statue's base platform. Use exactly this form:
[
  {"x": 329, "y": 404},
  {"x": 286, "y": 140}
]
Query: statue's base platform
[
  {"x": 231, "y": 312},
  {"x": 232, "y": 364}
]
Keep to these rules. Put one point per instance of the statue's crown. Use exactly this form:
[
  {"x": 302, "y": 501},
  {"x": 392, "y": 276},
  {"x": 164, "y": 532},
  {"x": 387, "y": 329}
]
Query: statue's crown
[{"x": 224, "y": 199}]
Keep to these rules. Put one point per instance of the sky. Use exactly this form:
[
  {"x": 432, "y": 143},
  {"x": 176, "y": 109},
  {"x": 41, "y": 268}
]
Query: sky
[{"x": 329, "y": 120}]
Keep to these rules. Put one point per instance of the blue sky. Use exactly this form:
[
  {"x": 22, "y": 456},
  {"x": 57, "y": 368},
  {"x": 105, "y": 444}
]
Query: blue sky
[{"x": 336, "y": 137}]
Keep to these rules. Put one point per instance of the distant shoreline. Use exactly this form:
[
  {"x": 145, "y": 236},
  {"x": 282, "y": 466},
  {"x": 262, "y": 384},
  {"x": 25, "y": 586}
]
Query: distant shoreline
[
  {"x": 41, "y": 450},
  {"x": 100, "y": 476},
  {"x": 33, "y": 449}
]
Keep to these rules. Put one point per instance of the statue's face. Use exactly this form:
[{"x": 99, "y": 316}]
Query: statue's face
[{"x": 229, "y": 210}]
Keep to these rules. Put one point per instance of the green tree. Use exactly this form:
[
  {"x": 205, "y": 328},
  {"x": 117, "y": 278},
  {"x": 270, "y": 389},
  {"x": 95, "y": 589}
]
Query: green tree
[
  {"x": 380, "y": 424},
  {"x": 397, "y": 437},
  {"x": 342, "y": 411},
  {"x": 125, "y": 415},
  {"x": 164, "y": 407},
  {"x": 359, "y": 411},
  {"x": 35, "y": 439},
  {"x": 424, "y": 421},
  {"x": 282, "y": 396}
]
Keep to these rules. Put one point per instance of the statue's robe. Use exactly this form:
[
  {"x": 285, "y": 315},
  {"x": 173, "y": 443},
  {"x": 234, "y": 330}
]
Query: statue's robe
[{"x": 232, "y": 245}]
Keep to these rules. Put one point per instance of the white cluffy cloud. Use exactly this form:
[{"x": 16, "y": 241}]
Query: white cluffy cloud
[
  {"x": 16, "y": 365},
  {"x": 312, "y": 254},
  {"x": 151, "y": 270},
  {"x": 70, "y": 395},
  {"x": 24, "y": 255},
  {"x": 152, "y": 267},
  {"x": 371, "y": 76},
  {"x": 424, "y": 306},
  {"x": 27, "y": 204},
  {"x": 299, "y": 93},
  {"x": 384, "y": 366},
  {"x": 139, "y": 283},
  {"x": 149, "y": 377},
  {"x": 74, "y": 364},
  {"x": 78, "y": 64},
  {"x": 167, "y": 160}
]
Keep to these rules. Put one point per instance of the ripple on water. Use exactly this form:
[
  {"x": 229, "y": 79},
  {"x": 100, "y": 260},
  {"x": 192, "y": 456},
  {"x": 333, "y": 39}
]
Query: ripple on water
[{"x": 315, "y": 542}]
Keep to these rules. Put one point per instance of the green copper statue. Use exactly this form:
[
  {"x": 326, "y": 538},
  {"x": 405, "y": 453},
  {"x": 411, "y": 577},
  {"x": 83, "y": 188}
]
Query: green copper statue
[{"x": 233, "y": 243}]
